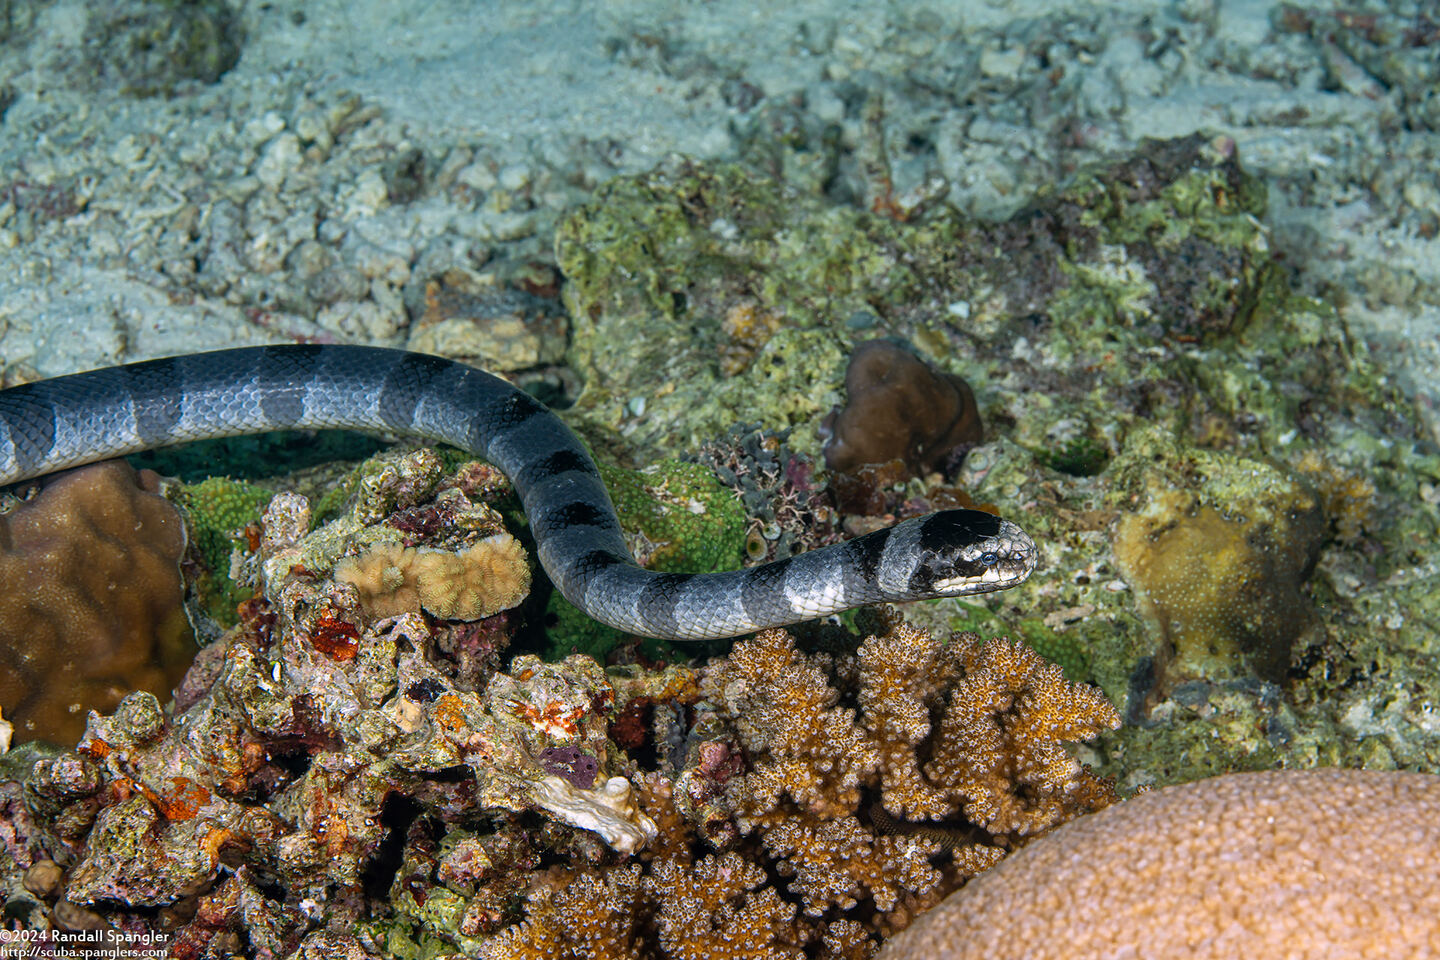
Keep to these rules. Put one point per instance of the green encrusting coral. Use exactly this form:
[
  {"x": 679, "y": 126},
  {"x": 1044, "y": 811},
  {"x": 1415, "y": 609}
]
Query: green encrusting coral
[
  {"x": 678, "y": 516},
  {"x": 217, "y": 511}
]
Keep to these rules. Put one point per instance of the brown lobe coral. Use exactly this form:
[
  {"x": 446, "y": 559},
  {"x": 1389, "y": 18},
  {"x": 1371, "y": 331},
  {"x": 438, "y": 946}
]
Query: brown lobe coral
[
  {"x": 899, "y": 407},
  {"x": 1283, "y": 864},
  {"x": 93, "y": 601}
]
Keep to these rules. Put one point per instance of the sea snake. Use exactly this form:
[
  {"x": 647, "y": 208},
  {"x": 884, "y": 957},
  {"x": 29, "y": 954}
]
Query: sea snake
[{"x": 52, "y": 424}]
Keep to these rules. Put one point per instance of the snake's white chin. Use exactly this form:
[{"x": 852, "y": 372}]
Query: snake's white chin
[{"x": 993, "y": 580}]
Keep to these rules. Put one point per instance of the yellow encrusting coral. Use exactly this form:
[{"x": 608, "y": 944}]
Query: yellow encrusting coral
[
  {"x": 473, "y": 583},
  {"x": 1223, "y": 588},
  {"x": 1218, "y": 548},
  {"x": 1347, "y": 497},
  {"x": 747, "y": 327}
]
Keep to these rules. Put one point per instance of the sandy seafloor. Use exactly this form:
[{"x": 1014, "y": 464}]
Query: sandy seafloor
[{"x": 545, "y": 100}]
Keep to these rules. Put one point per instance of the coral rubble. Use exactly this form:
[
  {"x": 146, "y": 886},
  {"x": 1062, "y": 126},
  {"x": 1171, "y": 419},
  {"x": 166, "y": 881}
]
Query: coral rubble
[
  {"x": 475, "y": 319},
  {"x": 93, "y": 600},
  {"x": 149, "y": 49}
]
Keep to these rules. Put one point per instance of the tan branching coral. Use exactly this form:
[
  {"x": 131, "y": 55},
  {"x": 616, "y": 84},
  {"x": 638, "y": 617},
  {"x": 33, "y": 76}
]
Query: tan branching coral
[
  {"x": 801, "y": 745},
  {"x": 718, "y": 909},
  {"x": 840, "y": 861},
  {"x": 92, "y": 602},
  {"x": 474, "y": 583},
  {"x": 994, "y": 767},
  {"x": 769, "y": 843},
  {"x": 902, "y": 671},
  {"x": 1001, "y": 744},
  {"x": 575, "y": 917}
]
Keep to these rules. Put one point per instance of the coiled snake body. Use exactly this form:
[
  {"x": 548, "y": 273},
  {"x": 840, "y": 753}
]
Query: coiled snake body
[{"x": 67, "y": 421}]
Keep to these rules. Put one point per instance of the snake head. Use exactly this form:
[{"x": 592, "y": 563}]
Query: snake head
[{"x": 967, "y": 551}]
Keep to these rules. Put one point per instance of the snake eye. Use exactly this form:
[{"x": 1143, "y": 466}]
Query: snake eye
[{"x": 989, "y": 559}]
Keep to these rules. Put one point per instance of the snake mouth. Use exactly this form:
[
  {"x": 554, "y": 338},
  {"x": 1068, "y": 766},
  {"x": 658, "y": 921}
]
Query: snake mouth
[{"x": 1001, "y": 576}]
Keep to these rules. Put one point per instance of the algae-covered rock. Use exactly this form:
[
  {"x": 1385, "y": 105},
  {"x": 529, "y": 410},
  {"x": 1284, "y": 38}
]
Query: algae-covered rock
[
  {"x": 148, "y": 47},
  {"x": 703, "y": 295},
  {"x": 1137, "y": 310},
  {"x": 678, "y": 517},
  {"x": 656, "y": 264}
]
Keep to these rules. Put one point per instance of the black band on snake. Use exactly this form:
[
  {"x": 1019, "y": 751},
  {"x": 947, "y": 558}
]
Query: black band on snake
[{"x": 53, "y": 424}]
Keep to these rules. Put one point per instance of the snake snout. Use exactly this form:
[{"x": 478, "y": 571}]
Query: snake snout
[{"x": 1016, "y": 554}]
